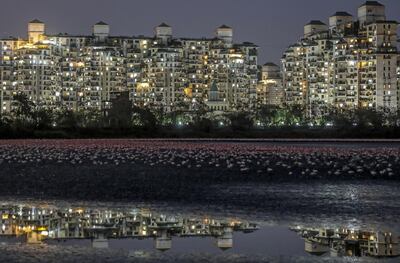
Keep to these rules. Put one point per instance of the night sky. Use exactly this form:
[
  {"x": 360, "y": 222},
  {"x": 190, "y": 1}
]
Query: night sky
[{"x": 271, "y": 24}]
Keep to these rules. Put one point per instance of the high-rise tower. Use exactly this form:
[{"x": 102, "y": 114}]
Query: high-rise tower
[{"x": 36, "y": 31}]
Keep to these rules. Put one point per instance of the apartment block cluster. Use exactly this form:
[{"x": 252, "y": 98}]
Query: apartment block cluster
[
  {"x": 81, "y": 72},
  {"x": 346, "y": 64},
  {"x": 349, "y": 63},
  {"x": 40, "y": 224}
]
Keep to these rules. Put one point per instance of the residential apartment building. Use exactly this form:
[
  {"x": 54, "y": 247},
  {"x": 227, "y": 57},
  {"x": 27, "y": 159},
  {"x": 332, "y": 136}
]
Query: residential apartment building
[
  {"x": 83, "y": 72},
  {"x": 398, "y": 81},
  {"x": 270, "y": 89},
  {"x": 342, "y": 242},
  {"x": 346, "y": 64}
]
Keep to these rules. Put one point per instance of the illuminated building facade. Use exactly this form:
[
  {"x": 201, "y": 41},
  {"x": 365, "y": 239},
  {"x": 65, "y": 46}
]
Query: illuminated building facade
[
  {"x": 270, "y": 89},
  {"x": 39, "y": 224},
  {"x": 82, "y": 72},
  {"x": 342, "y": 242},
  {"x": 347, "y": 64}
]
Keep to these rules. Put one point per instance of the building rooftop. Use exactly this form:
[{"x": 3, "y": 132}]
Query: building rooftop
[
  {"x": 36, "y": 21},
  {"x": 121, "y": 37},
  {"x": 101, "y": 23},
  {"x": 315, "y": 22},
  {"x": 224, "y": 27},
  {"x": 197, "y": 39},
  {"x": 341, "y": 13},
  {"x": 142, "y": 37},
  {"x": 270, "y": 64},
  {"x": 9, "y": 38},
  {"x": 69, "y": 35},
  {"x": 386, "y": 22},
  {"x": 372, "y": 3},
  {"x": 163, "y": 25},
  {"x": 245, "y": 44}
]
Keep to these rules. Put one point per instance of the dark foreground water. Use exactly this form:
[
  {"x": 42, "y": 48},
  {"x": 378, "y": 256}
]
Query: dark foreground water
[
  {"x": 317, "y": 186},
  {"x": 367, "y": 206}
]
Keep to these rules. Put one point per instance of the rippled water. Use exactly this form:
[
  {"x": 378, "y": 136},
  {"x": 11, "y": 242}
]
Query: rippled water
[
  {"x": 366, "y": 202},
  {"x": 327, "y": 203},
  {"x": 275, "y": 207}
]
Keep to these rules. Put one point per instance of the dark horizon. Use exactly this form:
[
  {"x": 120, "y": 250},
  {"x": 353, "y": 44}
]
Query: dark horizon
[{"x": 261, "y": 22}]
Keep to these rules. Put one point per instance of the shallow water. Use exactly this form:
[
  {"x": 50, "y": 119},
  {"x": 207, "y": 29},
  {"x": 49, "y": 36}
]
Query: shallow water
[
  {"x": 323, "y": 202},
  {"x": 274, "y": 241}
]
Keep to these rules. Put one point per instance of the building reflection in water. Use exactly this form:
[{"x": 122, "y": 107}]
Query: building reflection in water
[
  {"x": 346, "y": 242},
  {"x": 50, "y": 223}
]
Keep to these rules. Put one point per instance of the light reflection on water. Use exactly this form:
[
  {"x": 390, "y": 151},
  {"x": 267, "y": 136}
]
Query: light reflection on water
[
  {"x": 268, "y": 241},
  {"x": 107, "y": 229},
  {"x": 274, "y": 207}
]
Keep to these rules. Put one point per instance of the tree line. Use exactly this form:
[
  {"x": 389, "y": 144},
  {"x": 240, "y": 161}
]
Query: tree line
[{"x": 125, "y": 120}]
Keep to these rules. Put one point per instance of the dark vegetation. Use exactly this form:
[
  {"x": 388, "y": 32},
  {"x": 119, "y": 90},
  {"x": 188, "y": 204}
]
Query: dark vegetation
[{"x": 27, "y": 120}]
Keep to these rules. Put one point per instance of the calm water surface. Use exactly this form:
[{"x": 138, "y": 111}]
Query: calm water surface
[{"x": 274, "y": 207}]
